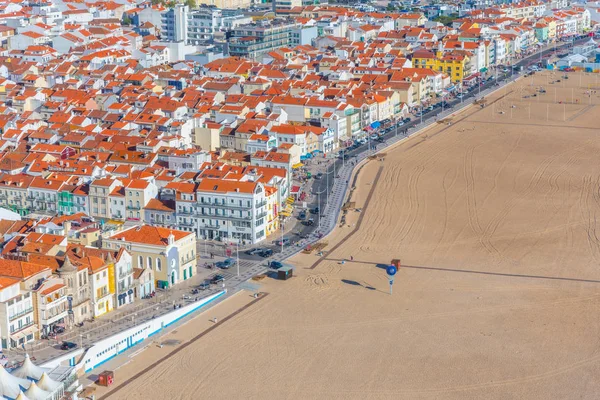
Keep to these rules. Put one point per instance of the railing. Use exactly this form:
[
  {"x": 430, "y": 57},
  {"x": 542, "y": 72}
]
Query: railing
[
  {"x": 132, "y": 207},
  {"x": 261, "y": 215},
  {"x": 20, "y": 314},
  {"x": 261, "y": 204}
]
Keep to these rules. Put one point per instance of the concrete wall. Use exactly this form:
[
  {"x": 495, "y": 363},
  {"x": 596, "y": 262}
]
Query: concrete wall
[{"x": 110, "y": 347}]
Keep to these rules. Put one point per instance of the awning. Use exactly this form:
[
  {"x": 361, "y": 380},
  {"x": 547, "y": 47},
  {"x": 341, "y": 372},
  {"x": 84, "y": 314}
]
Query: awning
[
  {"x": 484, "y": 69},
  {"x": 297, "y": 165},
  {"x": 284, "y": 214},
  {"x": 375, "y": 124},
  {"x": 295, "y": 189}
]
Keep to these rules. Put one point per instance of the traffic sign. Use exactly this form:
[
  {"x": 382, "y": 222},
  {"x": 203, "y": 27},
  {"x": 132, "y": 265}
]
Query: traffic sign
[
  {"x": 391, "y": 270},
  {"x": 391, "y": 282}
]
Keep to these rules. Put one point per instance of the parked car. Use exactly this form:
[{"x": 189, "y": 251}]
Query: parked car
[
  {"x": 310, "y": 222},
  {"x": 252, "y": 252},
  {"x": 204, "y": 285},
  {"x": 266, "y": 253},
  {"x": 284, "y": 242},
  {"x": 275, "y": 265},
  {"x": 58, "y": 330},
  {"x": 302, "y": 215},
  {"x": 225, "y": 264},
  {"x": 314, "y": 210},
  {"x": 68, "y": 345},
  {"x": 216, "y": 279},
  {"x": 406, "y": 120},
  {"x": 373, "y": 136}
]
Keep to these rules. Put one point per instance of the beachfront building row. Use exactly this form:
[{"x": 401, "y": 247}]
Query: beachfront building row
[{"x": 46, "y": 285}]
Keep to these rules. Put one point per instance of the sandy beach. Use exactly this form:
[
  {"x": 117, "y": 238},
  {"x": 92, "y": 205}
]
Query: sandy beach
[{"x": 495, "y": 218}]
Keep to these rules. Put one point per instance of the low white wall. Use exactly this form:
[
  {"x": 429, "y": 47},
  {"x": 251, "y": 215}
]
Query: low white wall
[{"x": 110, "y": 347}]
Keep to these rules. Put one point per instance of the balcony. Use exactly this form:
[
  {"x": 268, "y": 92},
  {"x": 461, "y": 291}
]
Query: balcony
[
  {"x": 261, "y": 204},
  {"x": 261, "y": 215},
  {"x": 132, "y": 207},
  {"x": 20, "y": 314}
]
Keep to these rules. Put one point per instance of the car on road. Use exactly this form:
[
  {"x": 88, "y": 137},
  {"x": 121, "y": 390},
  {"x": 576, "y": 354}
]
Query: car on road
[
  {"x": 406, "y": 120},
  {"x": 275, "y": 265},
  {"x": 283, "y": 242},
  {"x": 252, "y": 252},
  {"x": 314, "y": 210},
  {"x": 460, "y": 95},
  {"x": 319, "y": 175},
  {"x": 310, "y": 222},
  {"x": 68, "y": 345},
  {"x": 204, "y": 285},
  {"x": 302, "y": 215},
  {"x": 216, "y": 279},
  {"x": 225, "y": 264},
  {"x": 373, "y": 136},
  {"x": 266, "y": 253},
  {"x": 400, "y": 123}
]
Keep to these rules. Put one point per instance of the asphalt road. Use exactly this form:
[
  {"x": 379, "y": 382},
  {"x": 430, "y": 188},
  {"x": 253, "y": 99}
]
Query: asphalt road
[{"x": 321, "y": 186}]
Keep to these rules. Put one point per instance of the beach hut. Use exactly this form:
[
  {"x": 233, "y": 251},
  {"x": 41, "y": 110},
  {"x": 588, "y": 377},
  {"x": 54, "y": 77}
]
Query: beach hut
[
  {"x": 11, "y": 386},
  {"x": 35, "y": 393},
  {"x": 29, "y": 370}
]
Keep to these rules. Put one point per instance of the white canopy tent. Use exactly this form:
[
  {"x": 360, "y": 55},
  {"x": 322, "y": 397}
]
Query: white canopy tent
[
  {"x": 35, "y": 393},
  {"x": 29, "y": 370},
  {"x": 21, "y": 396},
  {"x": 11, "y": 386}
]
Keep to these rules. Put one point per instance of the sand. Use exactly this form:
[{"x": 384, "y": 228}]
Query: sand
[{"x": 495, "y": 220}]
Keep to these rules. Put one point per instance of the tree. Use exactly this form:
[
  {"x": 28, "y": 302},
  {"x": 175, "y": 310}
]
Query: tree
[
  {"x": 126, "y": 20},
  {"x": 446, "y": 19},
  {"x": 191, "y": 3}
]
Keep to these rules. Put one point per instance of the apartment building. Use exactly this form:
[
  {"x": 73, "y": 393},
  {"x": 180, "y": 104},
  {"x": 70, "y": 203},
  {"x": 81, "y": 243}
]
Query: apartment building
[
  {"x": 99, "y": 199},
  {"x": 18, "y": 282},
  {"x": 138, "y": 192},
  {"x": 125, "y": 280},
  {"x": 225, "y": 210},
  {"x": 257, "y": 39},
  {"x": 169, "y": 253},
  {"x": 174, "y": 23},
  {"x": 77, "y": 290},
  {"x": 51, "y": 304},
  {"x": 13, "y": 192}
]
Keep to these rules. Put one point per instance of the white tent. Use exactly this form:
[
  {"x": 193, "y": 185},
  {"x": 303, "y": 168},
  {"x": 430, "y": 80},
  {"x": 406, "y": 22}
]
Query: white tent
[
  {"x": 35, "y": 393},
  {"x": 48, "y": 384},
  {"x": 11, "y": 386},
  {"x": 28, "y": 370},
  {"x": 21, "y": 396}
]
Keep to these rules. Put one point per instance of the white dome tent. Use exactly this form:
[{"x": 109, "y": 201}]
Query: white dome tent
[
  {"x": 28, "y": 370},
  {"x": 21, "y": 396},
  {"x": 11, "y": 386},
  {"x": 35, "y": 393}
]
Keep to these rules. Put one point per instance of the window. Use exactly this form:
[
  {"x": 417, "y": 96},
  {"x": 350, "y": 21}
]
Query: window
[
  {"x": 158, "y": 264},
  {"x": 140, "y": 262},
  {"x": 149, "y": 260}
]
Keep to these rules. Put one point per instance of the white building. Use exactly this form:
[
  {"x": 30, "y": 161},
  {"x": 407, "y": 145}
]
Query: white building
[{"x": 229, "y": 211}]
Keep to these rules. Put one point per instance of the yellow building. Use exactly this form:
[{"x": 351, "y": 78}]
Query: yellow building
[
  {"x": 170, "y": 253},
  {"x": 452, "y": 63},
  {"x": 272, "y": 210}
]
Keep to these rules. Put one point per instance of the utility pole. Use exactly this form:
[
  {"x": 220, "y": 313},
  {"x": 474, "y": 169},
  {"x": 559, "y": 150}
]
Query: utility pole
[{"x": 237, "y": 251}]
